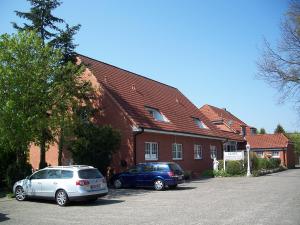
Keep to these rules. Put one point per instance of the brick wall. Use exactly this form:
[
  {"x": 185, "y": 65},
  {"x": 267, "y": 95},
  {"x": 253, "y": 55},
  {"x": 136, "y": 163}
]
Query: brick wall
[{"x": 197, "y": 166}]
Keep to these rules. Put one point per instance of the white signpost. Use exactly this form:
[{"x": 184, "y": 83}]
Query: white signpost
[{"x": 248, "y": 154}]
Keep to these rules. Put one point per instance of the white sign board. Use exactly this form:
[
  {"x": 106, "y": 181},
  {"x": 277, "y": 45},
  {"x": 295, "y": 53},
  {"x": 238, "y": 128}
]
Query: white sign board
[{"x": 234, "y": 155}]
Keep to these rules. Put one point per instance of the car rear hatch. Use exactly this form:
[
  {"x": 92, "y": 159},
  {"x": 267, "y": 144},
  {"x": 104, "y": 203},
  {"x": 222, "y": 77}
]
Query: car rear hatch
[
  {"x": 91, "y": 180},
  {"x": 176, "y": 169}
]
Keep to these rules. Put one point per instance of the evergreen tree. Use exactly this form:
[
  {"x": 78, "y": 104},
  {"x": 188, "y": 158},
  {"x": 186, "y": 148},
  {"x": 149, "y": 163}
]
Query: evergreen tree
[
  {"x": 48, "y": 28},
  {"x": 279, "y": 129},
  {"x": 262, "y": 131}
]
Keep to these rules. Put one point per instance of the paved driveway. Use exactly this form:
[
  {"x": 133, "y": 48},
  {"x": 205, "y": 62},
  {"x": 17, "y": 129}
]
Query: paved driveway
[{"x": 272, "y": 199}]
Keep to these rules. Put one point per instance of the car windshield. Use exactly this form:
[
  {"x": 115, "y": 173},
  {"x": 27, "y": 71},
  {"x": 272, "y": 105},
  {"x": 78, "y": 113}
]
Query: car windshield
[{"x": 89, "y": 174}]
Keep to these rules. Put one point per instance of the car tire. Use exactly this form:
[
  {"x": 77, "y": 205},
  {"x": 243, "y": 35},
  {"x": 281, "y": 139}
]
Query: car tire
[
  {"x": 159, "y": 185},
  {"x": 20, "y": 194},
  {"x": 173, "y": 186},
  {"x": 117, "y": 183},
  {"x": 61, "y": 198}
]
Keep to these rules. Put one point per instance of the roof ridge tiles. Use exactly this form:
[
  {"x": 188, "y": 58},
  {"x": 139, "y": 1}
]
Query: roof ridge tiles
[{"x": 136, "y": 74}]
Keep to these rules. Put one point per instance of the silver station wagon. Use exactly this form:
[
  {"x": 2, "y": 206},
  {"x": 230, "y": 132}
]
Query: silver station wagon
[{"x": 63, "y": 183}]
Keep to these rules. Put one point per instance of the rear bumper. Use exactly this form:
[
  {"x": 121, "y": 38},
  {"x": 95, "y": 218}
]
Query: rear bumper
[
  {"x": 173, "y": 181},
  {"x": 85, "y": 197}
]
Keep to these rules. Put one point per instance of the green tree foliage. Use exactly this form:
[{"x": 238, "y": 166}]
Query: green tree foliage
[
  {"x": 295, "y": 138},
  {"x": 279, "y": 129},
  {"x": 27, "y": 80},
  {"x": 94, "y": 145},
  {"x": 49, "y": 29},
  {"x": 262, "y": 131}
]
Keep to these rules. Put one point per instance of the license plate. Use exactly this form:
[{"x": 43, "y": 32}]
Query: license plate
[
  {"x": 96, "y": 186},
  {"x": 180, "y": 177}
]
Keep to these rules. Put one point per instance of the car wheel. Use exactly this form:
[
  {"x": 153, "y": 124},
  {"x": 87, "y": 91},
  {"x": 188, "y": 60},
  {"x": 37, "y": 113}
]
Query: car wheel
[
  {"x": 159, "y": 185},
  {"x": 61, "y": 198},
  {"x": 173, "y": 186},
  {"x": 20, "y": 194},
  {"x": 117, "y": 183}
]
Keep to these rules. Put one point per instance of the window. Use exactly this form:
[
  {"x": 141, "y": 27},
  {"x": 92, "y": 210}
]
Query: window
[
  {"x": 275, "y": 154},
  {"x": 253, "y": 130},
  {"x": 157, "y": 115},
  {"x": 197, "y": 152},
  {"x": 230, "y": 146},
  {"x": 260, "y": 154},
  {"x": 213, "y": 151},
  {"x": 199, "y": 123},
  {"x": 89, "y": 174},
  {"x": 151, "y": 151},
  {"x": 66, "y": 174},
  {"x": 177, "y": 151},
  {"x": 54, "y": 174},
  {"x": 39, "y": 175}
]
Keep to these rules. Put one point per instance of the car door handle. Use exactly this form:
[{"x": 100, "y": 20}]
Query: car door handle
[
  {"x": 39, "y": 183},
  {"x": 55, "y": 183}
]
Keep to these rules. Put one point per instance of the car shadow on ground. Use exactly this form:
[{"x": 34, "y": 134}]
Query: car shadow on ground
[
  {"x": 3, "y": 217},
  {"x": 117, "y": 193},
  {"x": 99, "y": 201}
]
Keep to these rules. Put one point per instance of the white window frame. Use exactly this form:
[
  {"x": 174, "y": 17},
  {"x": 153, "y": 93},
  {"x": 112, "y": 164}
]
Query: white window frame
[
  {"x": 198, "y": 151},
  {"x": 200, "y": 123},
  {"x": 277, "y": 155},
  {"x": 151, "y": 151},
  {"x": 157, "y": 115},
  {"x": 177, "y": 151},
  {"x": 213, "y": 151}
]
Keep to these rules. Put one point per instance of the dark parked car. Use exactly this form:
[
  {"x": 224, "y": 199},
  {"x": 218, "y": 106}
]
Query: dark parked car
[{"x": 155, "y": 174}]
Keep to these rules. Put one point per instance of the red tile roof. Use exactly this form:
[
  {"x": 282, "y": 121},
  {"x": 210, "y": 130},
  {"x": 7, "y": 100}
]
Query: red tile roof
[
  {"x": 267, "y": 141},
  {"x": 133, "y": 92},
  {"x": 216, "y": 114}
]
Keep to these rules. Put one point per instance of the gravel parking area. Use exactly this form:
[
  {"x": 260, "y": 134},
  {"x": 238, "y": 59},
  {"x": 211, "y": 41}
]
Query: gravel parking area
[{"x": 271, "y": 199}]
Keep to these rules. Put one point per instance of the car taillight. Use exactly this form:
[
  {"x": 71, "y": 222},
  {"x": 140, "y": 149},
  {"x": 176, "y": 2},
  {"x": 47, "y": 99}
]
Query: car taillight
[
  {"x": 82, "y": 182},
  {"x": 171, "y": 174}
]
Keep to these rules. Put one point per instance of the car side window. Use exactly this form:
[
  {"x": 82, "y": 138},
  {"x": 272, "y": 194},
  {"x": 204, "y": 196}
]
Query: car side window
[
  {"x": 66, "y": 174},
  {"x": 39, "y": 175},
  {"x": 135, "y": 169},
  {"x": 54, "y": 174},
  {"x": 148, "y": 168}
]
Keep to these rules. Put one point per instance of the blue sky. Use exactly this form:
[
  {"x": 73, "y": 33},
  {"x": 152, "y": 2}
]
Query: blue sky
[{"x": 207, "y": 49}]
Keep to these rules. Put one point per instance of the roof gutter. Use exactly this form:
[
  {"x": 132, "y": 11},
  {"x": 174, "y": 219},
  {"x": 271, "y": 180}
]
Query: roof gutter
[{"x": 182, "y": 134}]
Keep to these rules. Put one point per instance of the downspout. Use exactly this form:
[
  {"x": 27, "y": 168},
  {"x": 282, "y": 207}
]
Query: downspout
[{"x": 134, "y": 143}]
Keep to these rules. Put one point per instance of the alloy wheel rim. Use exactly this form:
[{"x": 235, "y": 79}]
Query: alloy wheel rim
[
  {"x": 118, "y": 184},
  {"x": 61, "y": 198},
  {"x": 20, "y": 195},
  {"x": 158, "y": 185}
]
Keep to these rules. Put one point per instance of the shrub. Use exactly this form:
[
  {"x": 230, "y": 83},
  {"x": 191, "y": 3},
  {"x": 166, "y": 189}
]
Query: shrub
[
  {"x": 234, "y": 167},
  {"x": 208, "y": 173},
  {"x": 187, "y": 174},
  {"x": 221, "y": 173},
  {"x": 17, "y": 172},
  {"x": 221, "y": 164}
]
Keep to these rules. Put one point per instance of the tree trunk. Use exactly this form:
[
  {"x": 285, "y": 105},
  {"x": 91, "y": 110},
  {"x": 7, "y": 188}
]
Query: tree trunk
[
  {"x": 60, "y": 147},
  {"x": 43, "y": 163}
]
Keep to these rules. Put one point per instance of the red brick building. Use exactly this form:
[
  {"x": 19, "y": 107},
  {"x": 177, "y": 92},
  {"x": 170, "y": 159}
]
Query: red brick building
[
  {"x": 157, "y": 122},
  {"x": 272, "y": 145}
]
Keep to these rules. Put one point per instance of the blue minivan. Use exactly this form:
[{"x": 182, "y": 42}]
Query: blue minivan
[{"x": 153, "y": 174}]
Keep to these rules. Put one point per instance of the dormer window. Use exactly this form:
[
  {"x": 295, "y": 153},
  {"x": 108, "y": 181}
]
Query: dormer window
[
  {"x": 199, "y": 123},
  {"x": 157, "y": 115}
]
